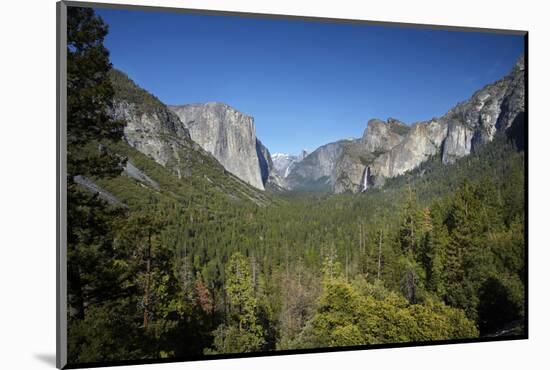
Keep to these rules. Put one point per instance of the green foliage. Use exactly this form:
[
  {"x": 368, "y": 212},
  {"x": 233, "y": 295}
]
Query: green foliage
[
  {"x": 89, "y": 95},
  {"x": 285, "y": 251},
  {"x": 94, "y": 277},
  {"x": 240, "y": 292},
  {"x": 242, "y": 333},
  {"x": 348, "y": 316},
  {"x": 127, "y": 91},
  {"x": 231, "y": 339},
  {"x": 110, "y": 332},
  {"x": 399, "y": 129},
  {"x": 433, "y": 258},
  {"x": 500, "y": 302}
]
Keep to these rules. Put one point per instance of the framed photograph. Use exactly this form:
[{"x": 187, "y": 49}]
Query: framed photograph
[{"x": 230, "y": 184}]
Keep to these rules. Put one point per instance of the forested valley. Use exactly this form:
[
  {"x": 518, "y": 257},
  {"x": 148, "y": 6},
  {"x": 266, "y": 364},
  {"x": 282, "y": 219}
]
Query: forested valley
[{"x": 182, "y": 270}]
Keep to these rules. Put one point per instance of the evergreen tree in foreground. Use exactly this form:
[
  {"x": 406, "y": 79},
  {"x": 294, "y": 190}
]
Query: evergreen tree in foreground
[
  {"x": 242, "y": 333},
  {"x": 93, "y": 278}
]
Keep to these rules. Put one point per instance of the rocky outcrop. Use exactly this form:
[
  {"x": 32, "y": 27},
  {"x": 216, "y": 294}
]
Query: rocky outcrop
[
  {"x": 391, "y": 148},
  {"x": 229, "y": 135},
  {"x": 150, "y": 127},
  {"x": 489, "y": 110},
  {"x": 461, "y": 130},
  {"x": 423, "y": 141},
  {"x": 92, "y": 187},
  {"x": 282, "y": 163},
  {"x": 513, "y": 104},
  {"x": 358, "y": 155},
  {"x": 155, "y": 131},
  {"x": 264, "y": 160},
  {"x": 380, "y": 136},
  {"x": 353, "y": 156},
  {"x": 270, "y": 178},
  {"x": 349, "y": 167},
  {"x": 132, "y": 171},
  {"x": 341, "y": 166},
  {"x": 386, "y": 149},
  {"x": 458, "y": 142}
]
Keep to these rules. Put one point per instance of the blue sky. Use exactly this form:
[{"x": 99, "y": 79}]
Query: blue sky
[{"x": 305, "y": 83}]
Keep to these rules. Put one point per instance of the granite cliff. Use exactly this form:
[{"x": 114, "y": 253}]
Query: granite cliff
[
  {"x": 154, "y": 130},
  {"x": 461, "y": 130},
  {"x": 386, "y": 149},
  {"x": 230, "y": 136},
  {"x": 391, "y": 148},
  {"x": 316, "y": 170}
]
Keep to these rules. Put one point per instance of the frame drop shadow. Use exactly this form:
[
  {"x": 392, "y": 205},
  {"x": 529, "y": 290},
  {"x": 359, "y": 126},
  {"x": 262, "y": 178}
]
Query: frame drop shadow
[{"x": 47, "y": 358}]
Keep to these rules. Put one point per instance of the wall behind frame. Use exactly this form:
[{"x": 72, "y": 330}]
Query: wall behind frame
[{"x": 27, "y": 276}]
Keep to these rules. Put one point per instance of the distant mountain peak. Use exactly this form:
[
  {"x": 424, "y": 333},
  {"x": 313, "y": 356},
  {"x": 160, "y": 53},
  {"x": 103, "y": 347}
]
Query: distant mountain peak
[
  {"x": 284, "y": 162},
  {"x": 280, "y": 155}
]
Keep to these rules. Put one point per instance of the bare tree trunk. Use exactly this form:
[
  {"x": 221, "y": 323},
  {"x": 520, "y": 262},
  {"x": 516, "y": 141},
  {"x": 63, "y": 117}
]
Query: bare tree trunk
[{"x": 379, "y": 254}]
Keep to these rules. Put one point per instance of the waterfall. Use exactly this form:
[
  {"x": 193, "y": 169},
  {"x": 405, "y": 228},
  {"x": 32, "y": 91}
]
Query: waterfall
[
  {"x": 365, "y": 181},
  {"x": 287, "y": 171}
]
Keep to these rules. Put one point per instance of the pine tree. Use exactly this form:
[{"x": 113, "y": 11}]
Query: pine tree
[
  {"x": 435, "y": 244},
  {"x": 140, "y": 234},
  {"x": 467, "y": 258},
  {"x": 242, "y": 333},
  {"x": 410, "y": 232},
  {"x": 89, "y": 95}
]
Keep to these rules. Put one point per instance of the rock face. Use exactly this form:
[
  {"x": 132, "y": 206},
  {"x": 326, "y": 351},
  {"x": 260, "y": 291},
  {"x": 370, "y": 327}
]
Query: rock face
[
  {"x": 155, "y": 133},
  {"x": 513, "y": 104},
  {"x": 150, "y": 127},
  {"x": 461, "y": 130},
  {"x": 386, "y": 149},
  {"x": 423, "y": 141},
  {"x": 265, "y": 161},
  {"x": 350, "y": 167},
  {"x": 380, "y": 136},
  {"x": 391, "y": 148},
  {"x": 341, "y": 166},
  {"x": 282, "y": 163},
  {"x": 91, "y": 186},
  {"x": 215, "y": 128},
  {"x": 267, "y": 168},
  {"x": 458, "y": 142},
  {"x": 316, "y": 170},
  {"x": 154, "y": 130},
  {"x": 352, "y": 172},
  {"x": 229, "y": 135},
  {"x": 132, "y": 171}
]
